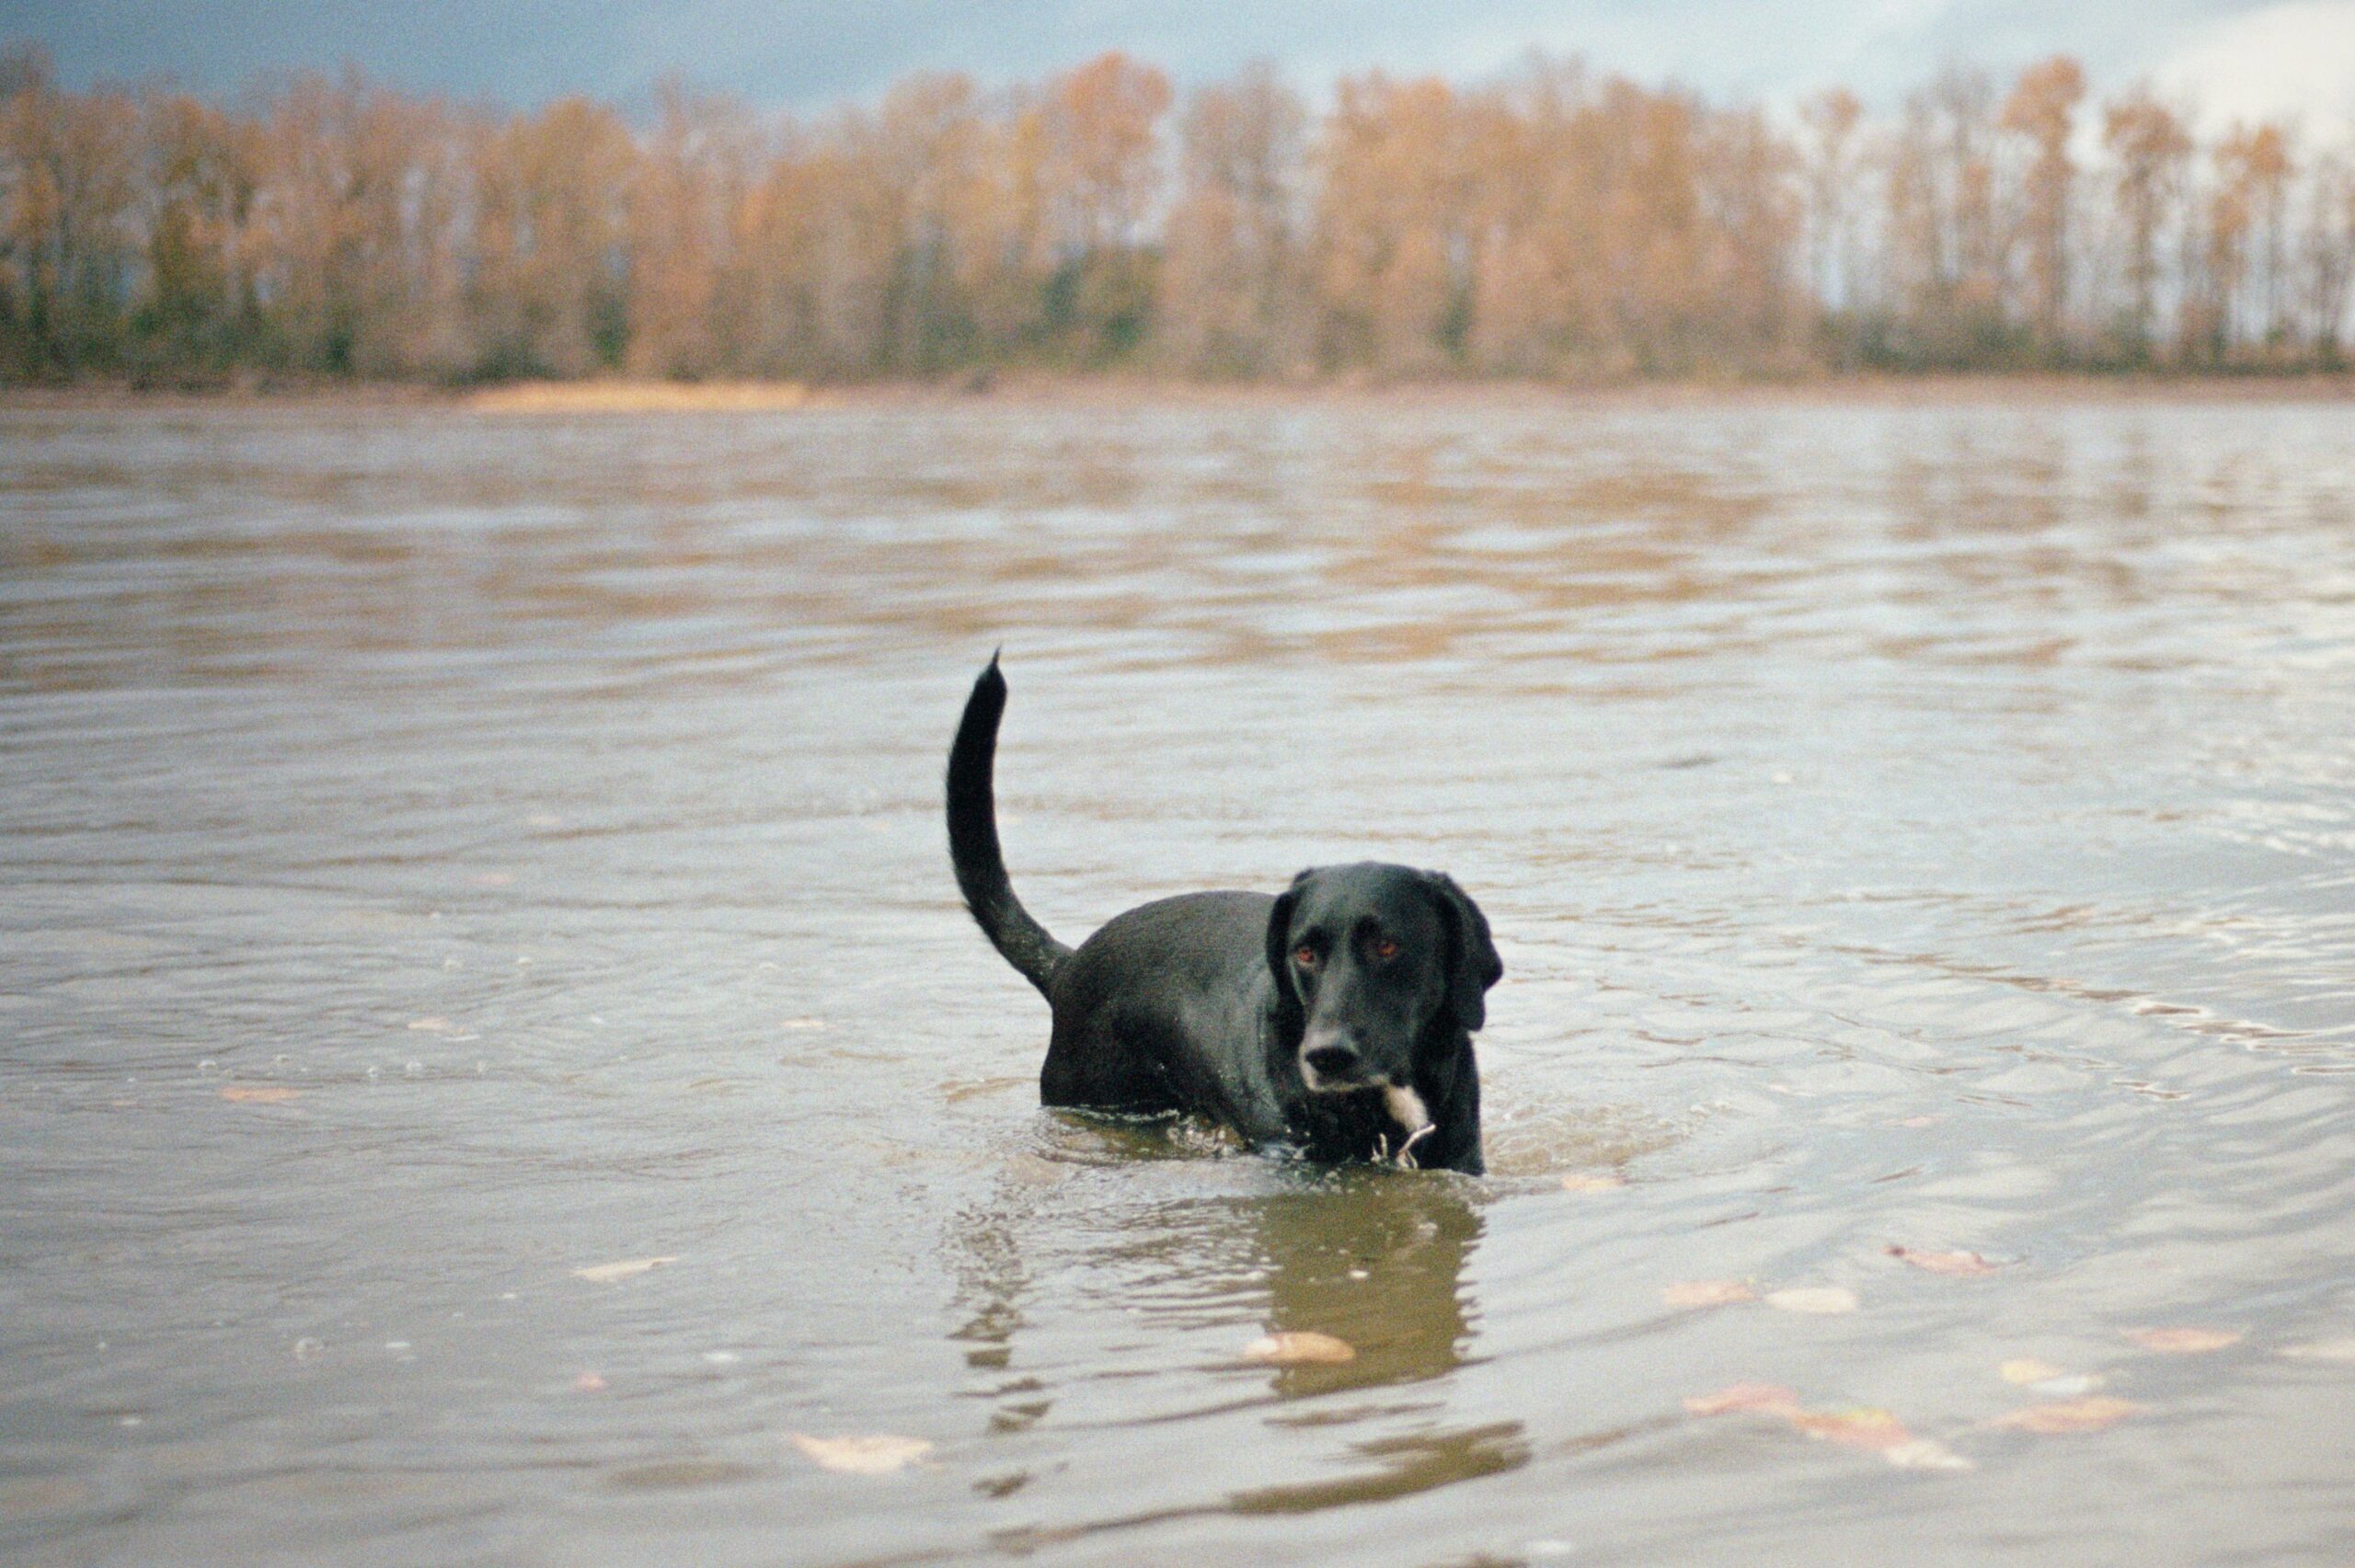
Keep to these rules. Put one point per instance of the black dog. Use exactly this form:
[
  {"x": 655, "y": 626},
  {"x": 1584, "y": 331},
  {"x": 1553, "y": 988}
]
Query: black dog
[{"x": 1336, "y": 1020}]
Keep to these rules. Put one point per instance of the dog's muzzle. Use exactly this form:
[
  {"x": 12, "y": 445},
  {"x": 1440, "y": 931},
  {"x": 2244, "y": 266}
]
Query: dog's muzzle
[{"x": 1332, "y": 1070}]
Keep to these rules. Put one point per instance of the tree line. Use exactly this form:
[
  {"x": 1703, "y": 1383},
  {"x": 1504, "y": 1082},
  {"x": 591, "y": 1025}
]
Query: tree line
[{"x": 1554, "y": 221}]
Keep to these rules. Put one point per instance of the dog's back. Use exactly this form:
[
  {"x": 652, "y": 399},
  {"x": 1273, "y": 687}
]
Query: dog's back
[{"x": 1139, "y": 1009}]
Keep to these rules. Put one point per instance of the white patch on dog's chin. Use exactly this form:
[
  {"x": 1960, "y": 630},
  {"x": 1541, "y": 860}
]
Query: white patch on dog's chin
[{"x": 1406, "y": 1107}]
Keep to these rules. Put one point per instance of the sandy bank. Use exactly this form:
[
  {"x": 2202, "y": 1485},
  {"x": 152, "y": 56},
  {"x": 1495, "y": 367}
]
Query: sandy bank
[{"x": 619, "y": 396}]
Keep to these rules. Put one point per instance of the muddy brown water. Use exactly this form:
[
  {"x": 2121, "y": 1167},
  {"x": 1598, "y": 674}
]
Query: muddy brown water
[{"x": 441, "y": 854}]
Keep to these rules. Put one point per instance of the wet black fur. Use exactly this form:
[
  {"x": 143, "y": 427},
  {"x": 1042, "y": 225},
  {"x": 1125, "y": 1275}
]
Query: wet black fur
[{"x": 1202, "y": 1002}]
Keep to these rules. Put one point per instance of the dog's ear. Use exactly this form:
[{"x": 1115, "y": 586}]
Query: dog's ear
[
  {"x": 1473, "y": 966},
  {"x": 1280, "y": 934}
]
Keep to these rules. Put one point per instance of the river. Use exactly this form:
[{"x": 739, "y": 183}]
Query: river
[{"x": 449, "y": 862}]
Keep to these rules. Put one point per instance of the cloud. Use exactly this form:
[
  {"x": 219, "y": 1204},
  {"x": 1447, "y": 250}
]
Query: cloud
[{"x": 2294, "y": 60}]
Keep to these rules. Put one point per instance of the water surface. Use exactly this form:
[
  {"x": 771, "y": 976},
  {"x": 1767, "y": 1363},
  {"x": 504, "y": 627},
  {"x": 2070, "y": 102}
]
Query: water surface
[{"x": 440, "y": 853}]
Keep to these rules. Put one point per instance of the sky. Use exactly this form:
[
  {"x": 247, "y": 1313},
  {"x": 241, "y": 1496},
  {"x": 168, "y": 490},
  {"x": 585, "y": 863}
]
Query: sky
[{"x": 2238, "y": 57}]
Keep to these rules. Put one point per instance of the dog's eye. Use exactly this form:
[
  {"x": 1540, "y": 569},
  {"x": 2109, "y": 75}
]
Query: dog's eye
[
  {"x": 1304, "y": 956},
  {"x": 1383, "y": 948}
]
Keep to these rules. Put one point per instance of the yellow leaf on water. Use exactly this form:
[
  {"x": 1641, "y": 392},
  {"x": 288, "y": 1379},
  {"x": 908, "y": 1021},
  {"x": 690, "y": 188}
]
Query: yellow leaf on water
[
  {"x": 1943, "y": 1263},
  {"x": 1706, "y": 1293},
  {"x": 1925, "y": 1453},
  {"x": 1859, "y": 1426},
  {"x": 1856, "y": 1426},
  {"x": 2088, "y": 1414},
  {"x": 2068, "y": 1386},
  {"x": 1590, "y": 1181},
  {"x": 606, "y": 1273},
  {"x": 2028, "y": 1369},
  {"x": 2184, "y": 1340},
  {"x": 1302, "y": 1347},
  {"x": 1772, "y": 1396},
  {"x": 874, "y": 1454},
  {"x": 589, "y": 1383},
  {"x": 258, "y": 1094},
  {"x": 1818, "y": 1298}
]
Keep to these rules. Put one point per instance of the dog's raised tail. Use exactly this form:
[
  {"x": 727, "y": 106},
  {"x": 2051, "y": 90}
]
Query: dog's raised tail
[{"x": 973, "y": 839}]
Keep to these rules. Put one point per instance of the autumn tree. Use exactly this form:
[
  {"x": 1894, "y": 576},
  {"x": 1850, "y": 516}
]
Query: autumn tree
[
  {"x": 1946, "y": 256},
  {"x": 2042, "y": 108},
  {"x": 778, "y": 284},
  {"x": 2262, "y": 165},
  {"x": 1006, "y": 252},
  {"x": 1232, "y": 300},
  {"x": 932, "y": 139},
  {"x": 549, "y": 294},
  {"x": 690, "y": 185},
  {"x": 1390, "y": 245},
  {"x": 2328, "y": 247},
  {"x": 203, "y": 177},
  {"x": 2148, "y": 146},
  {"x": 1750, "y": 218},
  {"x": 2216, "y": 252},
  {"x": 1102, "y": 176},
  {"x": 1539, "y": 173},
  {"x": 71, "y": 188},
  {"x": 1829, "y": 156}
]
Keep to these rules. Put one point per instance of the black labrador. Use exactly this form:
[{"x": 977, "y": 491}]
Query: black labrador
[{"x": 1335, "y": 1019}]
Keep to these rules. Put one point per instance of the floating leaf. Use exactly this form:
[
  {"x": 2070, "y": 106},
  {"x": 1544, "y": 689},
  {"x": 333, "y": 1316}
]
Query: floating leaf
[
  {"x": 2054, "y": 1382},
  {"x": 434, "y": 1026},
  {"x": 1819, "y": 1299},
  {"x": 606, "y": 1273},
  {"x": 1590, "y": 1181},
  {"x": 2340, "y": 1349},
  {"x": 803, "y": 1023},
  {"x": 2067, "y": 1386},
  {"x": 258, "y": 1094},
  {"x": 1943, "y": 1263},
  {"x": 1773, "y": 1397},
  {"x": 2184, "y": 1340},
  {"x": 1857, "y": 1427},
  {"x": 589, "y": 1383},
  {"x": 2089, "y": 1415},
  {"x": 1299, "y": 1347},
  {"x": 1925, "y": 1453},
  {"x": 874, "y": 1454},
  {"x": 1706, "y": 1293}
]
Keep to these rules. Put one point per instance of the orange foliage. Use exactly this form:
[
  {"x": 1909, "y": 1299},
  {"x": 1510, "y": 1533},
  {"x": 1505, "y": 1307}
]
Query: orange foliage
[{"x": 1552, "y": 222}]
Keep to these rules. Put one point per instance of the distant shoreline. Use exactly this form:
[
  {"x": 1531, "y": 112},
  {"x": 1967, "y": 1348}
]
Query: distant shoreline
[{"x": 576, "y": 398}]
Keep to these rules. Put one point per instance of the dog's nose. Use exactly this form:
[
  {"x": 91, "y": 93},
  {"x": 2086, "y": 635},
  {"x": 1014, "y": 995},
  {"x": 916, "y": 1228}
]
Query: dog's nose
[{"x": 1332, "y": 1062}]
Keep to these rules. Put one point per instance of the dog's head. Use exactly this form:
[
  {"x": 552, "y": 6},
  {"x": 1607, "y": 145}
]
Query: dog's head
[{"x": 1379, "y": 958}]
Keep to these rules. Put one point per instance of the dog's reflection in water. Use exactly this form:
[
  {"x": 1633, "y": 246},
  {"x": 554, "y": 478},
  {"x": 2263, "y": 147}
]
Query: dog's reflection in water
[
  {"x": 1372, "y": 1258},
  {"x": 1376, "y": 1259}
]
